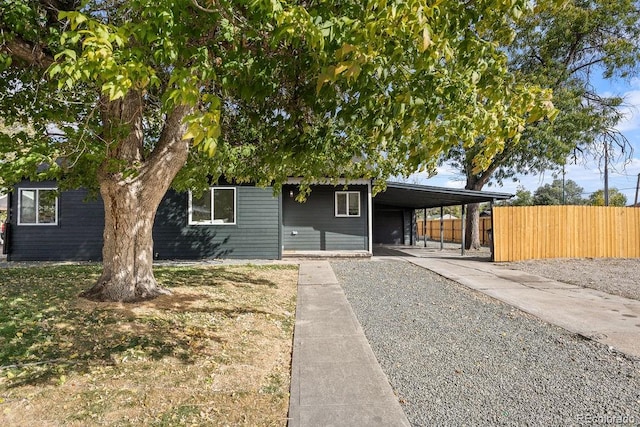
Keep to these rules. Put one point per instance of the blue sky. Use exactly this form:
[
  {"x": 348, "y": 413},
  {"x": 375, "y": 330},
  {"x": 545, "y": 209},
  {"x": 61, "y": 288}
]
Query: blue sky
[{"x": 588, "y": 176}]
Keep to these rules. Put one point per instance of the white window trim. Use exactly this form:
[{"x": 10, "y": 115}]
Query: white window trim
[
  {"x": 213, "y": 222},
  {"x": 349, "y": 194},
  {"x": 37, "y": 201}
]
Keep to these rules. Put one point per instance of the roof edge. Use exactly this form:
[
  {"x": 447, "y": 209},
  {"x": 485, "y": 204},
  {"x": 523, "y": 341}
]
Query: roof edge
[{"x": 446, "y": 190}]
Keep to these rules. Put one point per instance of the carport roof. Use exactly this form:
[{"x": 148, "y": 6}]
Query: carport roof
[{"x": 416, "y": 196}]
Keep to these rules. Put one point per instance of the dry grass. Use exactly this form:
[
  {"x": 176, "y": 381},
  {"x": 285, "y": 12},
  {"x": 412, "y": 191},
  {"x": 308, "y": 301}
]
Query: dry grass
[{"x": 216, "y": 352}]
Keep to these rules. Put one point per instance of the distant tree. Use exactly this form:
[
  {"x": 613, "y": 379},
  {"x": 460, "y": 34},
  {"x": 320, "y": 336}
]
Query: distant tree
[
  {"x": 523, "y": 198},
  {"x": 616, "y": 198},
  {"x": 455, "y": 211},
  {"x": 552, "y": 194}
]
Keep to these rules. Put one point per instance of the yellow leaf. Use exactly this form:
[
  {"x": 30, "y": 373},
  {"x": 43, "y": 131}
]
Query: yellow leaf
[
  {"x": 426, "y": 38},
  {"x": 322, "y": 79},
  {"x": 340, "y": 68},
  {"x": 344, "y": 51}
]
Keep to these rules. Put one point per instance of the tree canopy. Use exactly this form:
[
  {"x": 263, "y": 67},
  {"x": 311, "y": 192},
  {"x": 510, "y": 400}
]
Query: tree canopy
[
  {"x": 559, "y": 193},
  {"x": 523, "y": 197},
  {"x": 616, "y": 198},
  {"x": 563, "y": 48},
  {"x": 121, "y": 96},
  {"x": 272, "y": 87}
]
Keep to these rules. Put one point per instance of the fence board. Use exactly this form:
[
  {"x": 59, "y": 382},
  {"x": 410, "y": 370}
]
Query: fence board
[{"x": 535, "y": 232}]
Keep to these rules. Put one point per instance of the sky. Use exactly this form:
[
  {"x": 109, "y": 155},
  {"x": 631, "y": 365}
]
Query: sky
[{"x": 588, "y": 176}]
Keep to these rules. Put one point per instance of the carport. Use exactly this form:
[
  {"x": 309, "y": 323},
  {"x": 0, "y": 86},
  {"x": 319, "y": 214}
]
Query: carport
[{"x": 394, "y": 218}]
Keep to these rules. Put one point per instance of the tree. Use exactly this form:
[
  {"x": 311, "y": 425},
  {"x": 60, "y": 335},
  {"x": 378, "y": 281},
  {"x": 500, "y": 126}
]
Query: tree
[
  {"x": 616, "y": 198},
  {"x": 523, "y": 197},
  {"x": 561, "y": 48},
  {"x": 558, "y": 194},
  {"x": 123, "y": 95}
]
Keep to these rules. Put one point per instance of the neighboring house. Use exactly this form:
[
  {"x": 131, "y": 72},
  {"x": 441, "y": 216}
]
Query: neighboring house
[{"x": 231, "y": 221}]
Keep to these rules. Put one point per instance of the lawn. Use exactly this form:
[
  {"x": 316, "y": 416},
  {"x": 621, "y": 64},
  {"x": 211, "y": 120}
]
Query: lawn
[{"x": 216, "y": 352}]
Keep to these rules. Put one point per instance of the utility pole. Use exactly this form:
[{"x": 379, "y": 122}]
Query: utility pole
[
  {"x": 564, "y": 194},
  {"x": 606, "y": 173}
]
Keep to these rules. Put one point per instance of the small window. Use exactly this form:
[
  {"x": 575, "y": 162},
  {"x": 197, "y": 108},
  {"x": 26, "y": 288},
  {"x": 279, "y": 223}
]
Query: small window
[
  {"x": 347, "y": 203},
  {"x": 38, "y": 206},
  {"x": 216, "y": 206}
]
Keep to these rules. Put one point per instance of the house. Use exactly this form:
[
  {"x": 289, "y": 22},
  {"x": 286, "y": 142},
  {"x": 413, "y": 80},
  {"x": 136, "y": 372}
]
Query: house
[{"x": 231, "y": 221}]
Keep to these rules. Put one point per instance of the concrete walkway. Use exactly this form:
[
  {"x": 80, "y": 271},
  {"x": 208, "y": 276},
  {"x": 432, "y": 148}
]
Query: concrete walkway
[
  {"x": 596, "y": 315},
  {"x": 335, "y": 377}
]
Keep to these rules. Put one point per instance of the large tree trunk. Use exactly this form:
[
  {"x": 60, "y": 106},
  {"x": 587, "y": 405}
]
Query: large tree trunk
[
  {"x": 472, "y": 227},
  {"x": 131, "y": 198},
  {"x": 127, "y": 252},
  {"x": 472, "y": 222}
]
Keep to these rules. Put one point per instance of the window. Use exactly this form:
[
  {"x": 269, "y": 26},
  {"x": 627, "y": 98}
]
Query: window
[
  {"x": 38, "y": 206},
  {"x": 216, "y": 206},
  {"x": 347, "y": 203}
]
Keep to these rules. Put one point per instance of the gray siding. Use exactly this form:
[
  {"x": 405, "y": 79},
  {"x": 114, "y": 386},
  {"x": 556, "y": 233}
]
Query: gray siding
[
  {"x": 312, "y": 225},
  {"x": 254, "y": 236},
  {"x": 388, "y": 225},
  {"x": 76, "y": 237},
  {"x": 393, "y": 225},
  {"x": 78, "y": 234}
]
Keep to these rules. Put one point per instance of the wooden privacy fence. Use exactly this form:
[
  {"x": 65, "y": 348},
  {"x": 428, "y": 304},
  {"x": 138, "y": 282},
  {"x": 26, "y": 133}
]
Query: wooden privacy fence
[
  {"x": 535, "y": 232},
  {"x": 452, "y": 230}
]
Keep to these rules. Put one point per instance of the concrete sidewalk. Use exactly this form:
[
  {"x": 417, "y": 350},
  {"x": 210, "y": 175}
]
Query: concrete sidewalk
[
  {"x": 599, "y": 316},
  {"x": 335, "y": 377}
]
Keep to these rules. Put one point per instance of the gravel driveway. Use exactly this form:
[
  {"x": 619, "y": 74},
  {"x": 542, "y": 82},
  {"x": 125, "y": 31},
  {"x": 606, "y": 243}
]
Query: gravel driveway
[{"x": 457, "y": 357}]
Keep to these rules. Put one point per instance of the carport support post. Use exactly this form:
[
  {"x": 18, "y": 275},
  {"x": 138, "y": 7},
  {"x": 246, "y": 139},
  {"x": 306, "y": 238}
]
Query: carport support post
[
  {"x": 441, "y": 228},
  {"x": 463, "y": 229},
  {"x": 491, "y": 230},
  {"x": 424, "y": 226}
]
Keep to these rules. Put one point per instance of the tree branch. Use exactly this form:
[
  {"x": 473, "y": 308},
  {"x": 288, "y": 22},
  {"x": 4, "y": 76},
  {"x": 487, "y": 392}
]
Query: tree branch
[
  {"x": 229, "y": 17},
  {"x": 24, "y": 51},
  {"x": 585, "y": 65},
  {"x": 171, "y": 150}
]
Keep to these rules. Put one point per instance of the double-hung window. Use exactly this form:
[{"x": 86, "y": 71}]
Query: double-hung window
[
  {"x": 347, "y": 203},
  {"x": 215, "y": 206},
  {"x": 37, "y": 206}
]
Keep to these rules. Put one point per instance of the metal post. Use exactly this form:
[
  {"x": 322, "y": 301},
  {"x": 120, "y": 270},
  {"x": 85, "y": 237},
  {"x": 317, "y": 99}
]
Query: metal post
[
  {"x": 606, "y": 173},
  {"x": 564, "y": 193},
  {"x": 491, "y": 230},
  {"x": 635, "y": 203},
  {"x": 424, "y": 226},
  {"x": 463, "y": 229},
  {"x": 441, "y": 228}
]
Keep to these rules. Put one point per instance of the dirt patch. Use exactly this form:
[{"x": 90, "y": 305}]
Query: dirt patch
[
  {"x": 612, "y": 275},
  {"x": 216, "y": 352}
]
